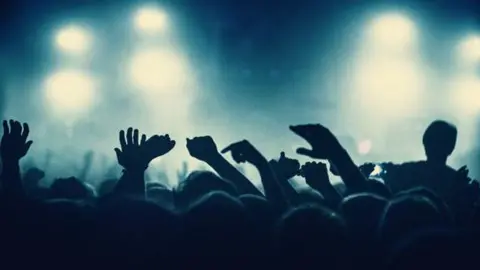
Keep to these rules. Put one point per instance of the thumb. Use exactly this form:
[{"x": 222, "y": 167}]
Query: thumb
[
  {"x": 28, "y": 144},
  {"x": 305, "y": 152},
  {"x": 118, "y": 152}
]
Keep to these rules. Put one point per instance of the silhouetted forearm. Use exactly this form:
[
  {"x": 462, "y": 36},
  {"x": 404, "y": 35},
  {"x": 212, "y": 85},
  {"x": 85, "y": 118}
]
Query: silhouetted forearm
[
  {"x": 351, "y": 175},
  {"x": 289, "y": 191},
  {"x": 131, "y": 183},
  {"x": 273, "y": 190},
  {"x": 329, "y": 192},
  {"x": 12, "y": 186},
  {"x": 228, "y": 171}
]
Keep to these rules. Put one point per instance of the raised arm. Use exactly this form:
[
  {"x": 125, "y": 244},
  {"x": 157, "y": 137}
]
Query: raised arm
[
  {"x": 134, "y": 156},
  {"x": 243, "y": 151},
  {"x": 14, "y": 146},
  {"x": 324, "y": 145},
  {"x": 205, "y": 149},
  {"x": 316, "y": 176},
  {"x": 285, "y": 169}
]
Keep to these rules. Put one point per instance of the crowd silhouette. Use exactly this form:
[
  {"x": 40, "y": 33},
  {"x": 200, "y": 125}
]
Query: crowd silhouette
[{"x": 413, "y": 215}]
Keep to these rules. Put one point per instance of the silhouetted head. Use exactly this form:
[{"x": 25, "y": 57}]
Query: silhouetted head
[
  {"x": 106, "y": 187},
  {"x": 32, "y": 177},
  {"x": 71, "y": 188},
  {"x": 261, "y": 216},
  {"x": 439, "y": 141},
  {"x": 406, "y": 215},
  {"x": 216, "y": 226},
  {"x": 136, "y": 231},
  {"x": 312, "y": 235},
  {"x": 376, "y": 187},
  {"x": 258, "y": 208},
  {"x": 310, "y": 196},
  {"x": 434, "y": 198},
  {"x": 198, "y": 184},
  {"x": 432, "y": 249},
  {"x": 64, "y": 228},
  {"x": 362, "y": 213},
  {"x": 160, "y": 194}
]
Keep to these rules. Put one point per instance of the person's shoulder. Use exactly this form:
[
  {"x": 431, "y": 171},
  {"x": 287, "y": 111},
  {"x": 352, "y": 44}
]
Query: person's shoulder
[
  {"x": 450, "y": 169},
  {"x": 412, "y": 165}
]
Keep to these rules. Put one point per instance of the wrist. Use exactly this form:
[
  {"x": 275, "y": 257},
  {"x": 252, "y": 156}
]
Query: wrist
[
  {"x": 261, "y": 164},
  {"x": 319, "y": 185},
  {"x": 8, "y": 163},
  {"x": 214, "y": 158},
  {"x": 135, "y": 169}
]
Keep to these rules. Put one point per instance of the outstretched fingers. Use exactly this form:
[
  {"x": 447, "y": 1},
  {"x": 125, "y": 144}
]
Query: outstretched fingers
[
  {"x": 129, "y": 136},
  {"x": 121, "y": 138},
  {"x": 135, "y": 137},
  {"x": 25, "y": 132},
  {"x": 16, "y": 128},
  {"x": 231, "y": 147},
  {"x": 27, "y": 146},
  {"x": 305, "y": 152},
  {"x": 6, "y": 128}
]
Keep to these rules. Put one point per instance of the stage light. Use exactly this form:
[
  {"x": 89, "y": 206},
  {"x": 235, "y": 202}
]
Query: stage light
[
  {"x": 157, "y": 70},
  {"x": 364, "y": 147},
  {"x": 73, "y": 39},
  {"x": 150, "y": 20},
  {"x": 392, "y": 31},
  {"x": 70, "y": 91},
  {"x": 469, "y": 49},
  {"x": 466, "y": 95},
  {"x": 391, "y": 83},
  {"x": 377, "y": 170}
]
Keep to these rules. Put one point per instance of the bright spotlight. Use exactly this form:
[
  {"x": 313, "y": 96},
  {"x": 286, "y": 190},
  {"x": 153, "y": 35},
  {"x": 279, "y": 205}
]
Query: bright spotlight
[
  {"x": 364, "y": 147},
  {"x": 73, "y": 39},
  {"x": 466, "y": 94},
  {"x": 157, "y": 69},
  {"x": 377, "y": 170},
  {"x": 393, "y": 31},
  {"x": 469, "y": 49},
  {"x": 70, "y": 91},
  {"x": 390, "y": 83},
  {"x": 150, "y": 20}
]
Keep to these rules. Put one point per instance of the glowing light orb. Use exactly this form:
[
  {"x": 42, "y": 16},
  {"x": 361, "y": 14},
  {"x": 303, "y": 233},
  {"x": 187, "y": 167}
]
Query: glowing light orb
[
  {"x": 70, "y": 91},
  {"x": 364, "y": 147},
  {"x": 469, "y": 49},
  {"x": 150, "y": 20},
  {"x": 377, "y": 170},
  {"x": 73, "y": 39},
  {"x": 466, "y": 95},
  {"x": 393, "y": 31},
  {"x": 157, "y": 69}
]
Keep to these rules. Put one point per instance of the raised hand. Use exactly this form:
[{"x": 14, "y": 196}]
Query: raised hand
[
  {"x": 136, "y": 154},
  {"x": 14, "y": 144},
  {"x": 367, "y": 169},
  {"x": 205, "y": 149},
  {"x": 202, "y": 148},
  {"x": 462, "y": 175},
  {"x": 285, "y": 168},
  {"x": 157, "y": 146},
  {"x": 324, "y": 144},
  {"x": 244, "y": 151},
  {"x": 315, "y": 174}
]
